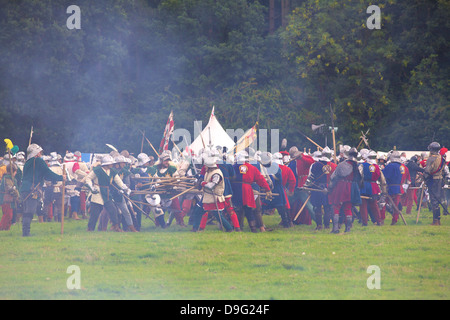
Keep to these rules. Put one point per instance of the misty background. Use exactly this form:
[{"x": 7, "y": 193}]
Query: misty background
[{"x": 132, "y": 62}]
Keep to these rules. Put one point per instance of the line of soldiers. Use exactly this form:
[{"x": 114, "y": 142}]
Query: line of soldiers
[{"x": 301, "y": 187}]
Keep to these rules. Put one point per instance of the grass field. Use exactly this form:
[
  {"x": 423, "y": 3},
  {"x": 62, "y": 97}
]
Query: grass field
[{"x": 176, "y": 264}]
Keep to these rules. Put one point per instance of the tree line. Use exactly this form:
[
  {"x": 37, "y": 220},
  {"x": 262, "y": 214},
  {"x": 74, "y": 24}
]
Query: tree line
[{"x": 132, "y": 62}]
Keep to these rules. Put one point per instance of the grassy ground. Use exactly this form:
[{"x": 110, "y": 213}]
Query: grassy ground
[{"x": 175, "y": 264}]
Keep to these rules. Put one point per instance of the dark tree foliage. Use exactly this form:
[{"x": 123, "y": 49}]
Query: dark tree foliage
[{"x": 132, "y": 62}]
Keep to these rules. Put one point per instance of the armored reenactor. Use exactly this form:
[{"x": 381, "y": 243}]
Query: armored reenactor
[
  {"x": 165, "y": 168},
  {"x": 317, "y": 179},
  {"x": 213, "y": 187},
  {"x": 243, "y": 197},
  {"x": 278, "y": 202},
  {"x": 300, "y": 164},
  {"x": 35, "y": 171},
  {"x": 120, "y": 163},
  {"x": 100, "y": 181},
  {"x": 288, "y": 178},
  {"x": 344, "y": 189},
  {"x": 9, "y": 195},
  {"x": 414, "y": 170},
  {"x": 53, "y": 195},
  {"x": 143, "y": 169},
  {"x": 228, "y": 173},
  {"x": 433, "y": 176},
  {"x": 393, "y": 173},
  {"x": 373, "y": 178}
]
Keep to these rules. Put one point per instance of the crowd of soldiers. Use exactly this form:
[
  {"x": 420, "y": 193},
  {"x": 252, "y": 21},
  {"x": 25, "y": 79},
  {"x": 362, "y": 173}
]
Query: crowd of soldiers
[{"x": 215, "y": 186}]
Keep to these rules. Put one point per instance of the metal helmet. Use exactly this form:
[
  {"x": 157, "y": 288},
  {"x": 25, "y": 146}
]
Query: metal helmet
[
  {"x": 395, "y": 156},
  {"x": 211, "y": 161},
  {"x": 107, "y": 160},
  {"x": 292, "y": 151},
  {"x": 277, "y": 157},
  {"x": 241, "y": 156},
  {"x": 352, "y": 154},
  {"x": 120, "y": 159},
  {"x": 317, "y": 155},
  {"x": 142, "y": 159},
  {"x": 434, "y": 147},
  {"x": 165, "y": 155},
  {"x": 153, "y": 199},
  {"x": 33, "y": 150},
  {"x": 266, "y": 158}
]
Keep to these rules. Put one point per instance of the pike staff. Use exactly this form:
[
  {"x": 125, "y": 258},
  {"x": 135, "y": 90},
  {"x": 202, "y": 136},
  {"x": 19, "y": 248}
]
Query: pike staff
[
  {"x": 420, "y": 202},
  {"x": 132, "y": 202},
  {"x": 334, "y": 135},
  {"x": 395, "y": 207},
  {"x": 63, "y": 194},
  {"x": 303, "y": 207},
  {"x": 143, "y": 135},
  {"x": 318, "y": 146},
  {"x": 31, "y": 135}
]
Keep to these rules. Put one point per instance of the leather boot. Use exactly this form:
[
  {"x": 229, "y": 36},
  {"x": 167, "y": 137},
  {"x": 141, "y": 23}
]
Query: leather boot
[
  {"x": 252, "y": 225},
  {"x": 319, "y": 220},
  {"x": 335, "y": 224},
  {"x": 116, "y": 228},
  {"x": 75, "y": 216},
  {"x": 348, "y": 223},
  {"x": 436, "y": 222},
  {"x": 285, "y": 219},
  {"x": 326, "y": 219},
  {"x": 41, "y": 219},
  {"x": 437, "y": 215},
  {"x": 132, "y": 228},
  {"x": 26, "y": 226}
]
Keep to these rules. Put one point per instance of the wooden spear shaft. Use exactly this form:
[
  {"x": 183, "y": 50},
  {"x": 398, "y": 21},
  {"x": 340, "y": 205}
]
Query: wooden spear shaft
[
  {"x": 395, "y": 207},
  {"x": 150, "y": 144},
  {"x": 133, "y": 203},
  {"x": 185, "y": 191},
  {"x": 420, "y": 203},
  {"x": 142, "y": 141},
  {"x": 334, "y": 146},
  {"x": 303, "y": 207},
  {"x": 62, "y": 205}
]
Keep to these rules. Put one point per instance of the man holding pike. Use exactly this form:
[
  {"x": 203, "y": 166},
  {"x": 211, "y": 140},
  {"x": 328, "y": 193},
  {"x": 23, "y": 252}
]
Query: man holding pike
[
  {"x": 100, "y": 181},
  {"x": 213, "y": 186},
  {"x": 35, "y": 171},
  {"x": 433, "y": 176},
  {"x": 164, "y": 168},
  {"x": 243, "y": 197},
  {"x": 344, "y": 189}
]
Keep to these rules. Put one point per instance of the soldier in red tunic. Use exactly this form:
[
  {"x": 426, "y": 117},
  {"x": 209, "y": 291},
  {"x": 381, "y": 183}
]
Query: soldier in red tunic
[
  {"x": 344, "y": 185},
  {"x": 372, "y": 175},
  {"x": 300, "y": 166},
  {"x": 243, "y": 198},
  {"x": 288, "y": 178}
]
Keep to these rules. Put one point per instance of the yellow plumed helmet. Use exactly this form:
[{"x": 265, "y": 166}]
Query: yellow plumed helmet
[{"x": 9, "y": 144}]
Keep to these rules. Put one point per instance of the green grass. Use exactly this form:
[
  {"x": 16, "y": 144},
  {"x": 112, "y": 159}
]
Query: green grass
[{"x": 176, "y": 264}]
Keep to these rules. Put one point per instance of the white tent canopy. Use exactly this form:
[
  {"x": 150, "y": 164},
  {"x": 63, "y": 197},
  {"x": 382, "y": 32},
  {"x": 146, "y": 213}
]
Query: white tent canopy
[{"x": 216, "y": 133}]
